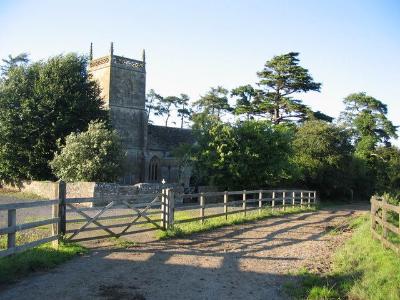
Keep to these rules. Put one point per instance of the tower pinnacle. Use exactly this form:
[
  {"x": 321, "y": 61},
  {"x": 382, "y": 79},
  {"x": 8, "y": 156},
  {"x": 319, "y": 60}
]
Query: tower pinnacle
[
  {"x": 112, "y": 49},
  {"x": 144, "y": 56},
  {"x": 91, "y": 52}
]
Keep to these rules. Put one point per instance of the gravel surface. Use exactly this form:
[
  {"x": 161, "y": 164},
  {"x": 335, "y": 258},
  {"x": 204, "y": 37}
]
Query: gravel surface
[{"x": 250, "y": 261}]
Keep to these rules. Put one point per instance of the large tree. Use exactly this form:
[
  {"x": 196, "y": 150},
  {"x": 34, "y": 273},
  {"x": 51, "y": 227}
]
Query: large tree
[
  {"x": 366, "y": 116},
  {"x": 214, "y": 102},
  {"x": 152, "y": 102},
  {"x": 388, "y": 170},
  {"x": 323, "y": 156},
  {"x": 166, "y": 105},
  {"x": 248, "y": 154},
  {"x": 40, "y": 103},
  {"x": 184, "y": 111},
  {"x": 246, "y": 96},
  {"x": 281, "y": 80}
]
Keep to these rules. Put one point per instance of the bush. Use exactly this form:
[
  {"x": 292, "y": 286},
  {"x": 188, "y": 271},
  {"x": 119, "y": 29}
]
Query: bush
[{"x": 93, "y": 155}]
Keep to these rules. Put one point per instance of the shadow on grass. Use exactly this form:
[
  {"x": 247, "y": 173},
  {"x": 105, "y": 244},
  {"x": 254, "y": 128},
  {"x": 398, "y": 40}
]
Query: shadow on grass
[
  {"x": 186, "y": 229},
  {"x": 314, "y": 286}
]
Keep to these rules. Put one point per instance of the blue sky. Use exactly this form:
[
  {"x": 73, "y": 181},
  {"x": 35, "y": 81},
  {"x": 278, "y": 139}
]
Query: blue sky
[{"x": 349, "y": 46}]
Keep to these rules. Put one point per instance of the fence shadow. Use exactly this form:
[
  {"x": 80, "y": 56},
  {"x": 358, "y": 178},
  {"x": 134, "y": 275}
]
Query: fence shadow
[{"x": 249, "y": 261}]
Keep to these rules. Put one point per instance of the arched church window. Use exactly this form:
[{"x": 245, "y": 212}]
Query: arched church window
[{"x": 154, "y": 166}]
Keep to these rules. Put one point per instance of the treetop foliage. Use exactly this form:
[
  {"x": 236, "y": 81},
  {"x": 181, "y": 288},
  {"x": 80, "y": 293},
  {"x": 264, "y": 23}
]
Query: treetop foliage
[
  {"x": 282, "y": 77},
  {"x": 215, "y": 101},
  {"x": 40, "y": 103},
  {"x": 367, "y": 117}
]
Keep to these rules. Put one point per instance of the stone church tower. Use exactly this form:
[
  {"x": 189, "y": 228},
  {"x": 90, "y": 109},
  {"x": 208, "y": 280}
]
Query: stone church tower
[
  {"x": 149, "y": 147},
  {"x": 123, "y": 89}
]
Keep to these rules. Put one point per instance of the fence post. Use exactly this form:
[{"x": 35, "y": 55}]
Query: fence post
[
  {"x": 55, "y": 226},
  {"x": 202, "y": 206},
  {"x": 384, "y": 217},
  {"x": 12, "y": 222},
  {"x": 62, "y": 208},
  {"x": 171, "y": 207},
  {"x": 315, "y": 198},
  {"x": 260, "y": 196},
  {"x": 373, "y": 212},
  {"x": 293, "y": 198},
  {"x": 301, "y": 199},
  {"x": 226, "y": 205},
  {"x": 244, "y": 202},
  {"x": 273, "y": 201},
  {"x": 163, "y": 208},
  {"x": 283, "y": 200},
  {"x": 309, "y": 200}
]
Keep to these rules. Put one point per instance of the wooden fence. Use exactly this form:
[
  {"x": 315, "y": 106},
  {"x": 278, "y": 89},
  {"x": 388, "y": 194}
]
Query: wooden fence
[
  {"x": 241, "y": 202},
  {"x": 383, "y": 222},
  {"x": 232, "y": 202},
  {"x": 13, "y": 227}
]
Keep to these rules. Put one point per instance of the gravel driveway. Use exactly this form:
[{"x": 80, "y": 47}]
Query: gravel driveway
[{"x": 249, "y": 261}]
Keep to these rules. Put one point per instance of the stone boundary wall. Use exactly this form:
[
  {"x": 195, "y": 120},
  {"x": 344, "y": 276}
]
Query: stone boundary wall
[
  {"x": 45, "y": 189},
  {"x": 103, "y": 193},
  {"x": 48, "y": 189}
]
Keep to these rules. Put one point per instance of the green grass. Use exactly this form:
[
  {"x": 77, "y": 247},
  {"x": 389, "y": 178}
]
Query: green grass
[
  {"x": 362, "y": 269},
  {"x": 122, "y": 243},
  {"x": 19, "y": 195},
  {"x": 185, "y": 229},
  {"x": 43, "y": 257}
]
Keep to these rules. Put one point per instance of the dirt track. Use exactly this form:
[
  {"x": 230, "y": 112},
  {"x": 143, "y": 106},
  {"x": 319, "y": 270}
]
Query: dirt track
[{"x": 249, "y": 261}]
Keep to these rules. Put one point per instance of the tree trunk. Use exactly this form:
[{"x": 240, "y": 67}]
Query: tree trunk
[{"x": 166, "y": 121}]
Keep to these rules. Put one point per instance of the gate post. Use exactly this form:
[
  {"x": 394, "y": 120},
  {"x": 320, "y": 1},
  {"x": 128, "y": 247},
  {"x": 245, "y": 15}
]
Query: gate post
[
  {"x": 62, "y": 209},
  {"x": 171, "y": 207},
  {"x": 163, "y": 208}
]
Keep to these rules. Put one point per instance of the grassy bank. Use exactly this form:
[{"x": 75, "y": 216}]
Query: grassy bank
[
  {"x": 185, "y": 229},
  {"x": 362, "y": 269},
  {"x": 40, "y": 258}
]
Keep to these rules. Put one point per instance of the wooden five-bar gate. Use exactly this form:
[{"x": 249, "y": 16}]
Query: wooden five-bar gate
[
  {"x": 385, "y": 222},
  {"x": 72, "y": 219}
]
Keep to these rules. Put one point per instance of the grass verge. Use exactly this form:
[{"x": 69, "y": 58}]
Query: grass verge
[
  {"x": 43, "y": 257},
  {"x": 185, "y": 229},
  {"x": 362, "y": 269}
]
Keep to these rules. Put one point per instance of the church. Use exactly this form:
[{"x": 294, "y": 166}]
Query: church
[{"x": 149, "y": 147}]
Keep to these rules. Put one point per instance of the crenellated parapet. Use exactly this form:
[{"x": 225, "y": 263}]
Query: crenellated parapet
[
  {"x": 99, "y": 61},
  {"x": 133, "y": 63}
]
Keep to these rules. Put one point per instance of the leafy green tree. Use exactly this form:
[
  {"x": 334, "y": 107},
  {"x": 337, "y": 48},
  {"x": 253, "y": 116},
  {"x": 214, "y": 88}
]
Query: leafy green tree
[
  {"x": 323, "y": 156},
  {"x": 92, "y": 155},
  {"x": 227, "y": 155},
  {"x": 282, "y": 78},
  {"x": 39, "y": 104},
  {"x": 387, "y": 170},
  {"x": 367, "y": 118},
  {"x": 184, "y": 111},
  {"x": 214, "y": 101}
]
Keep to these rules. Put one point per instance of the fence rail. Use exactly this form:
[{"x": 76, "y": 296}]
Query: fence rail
[
  {"x": 380, "y": 224},
  {"x": 272, "y": 198},
  {"x": 13, "y": 227},
  {"x": 232, "y": 202}
]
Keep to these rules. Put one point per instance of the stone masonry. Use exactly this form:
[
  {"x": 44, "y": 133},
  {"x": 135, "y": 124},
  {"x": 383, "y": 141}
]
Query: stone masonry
[{"x": 149, "y": 148}]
